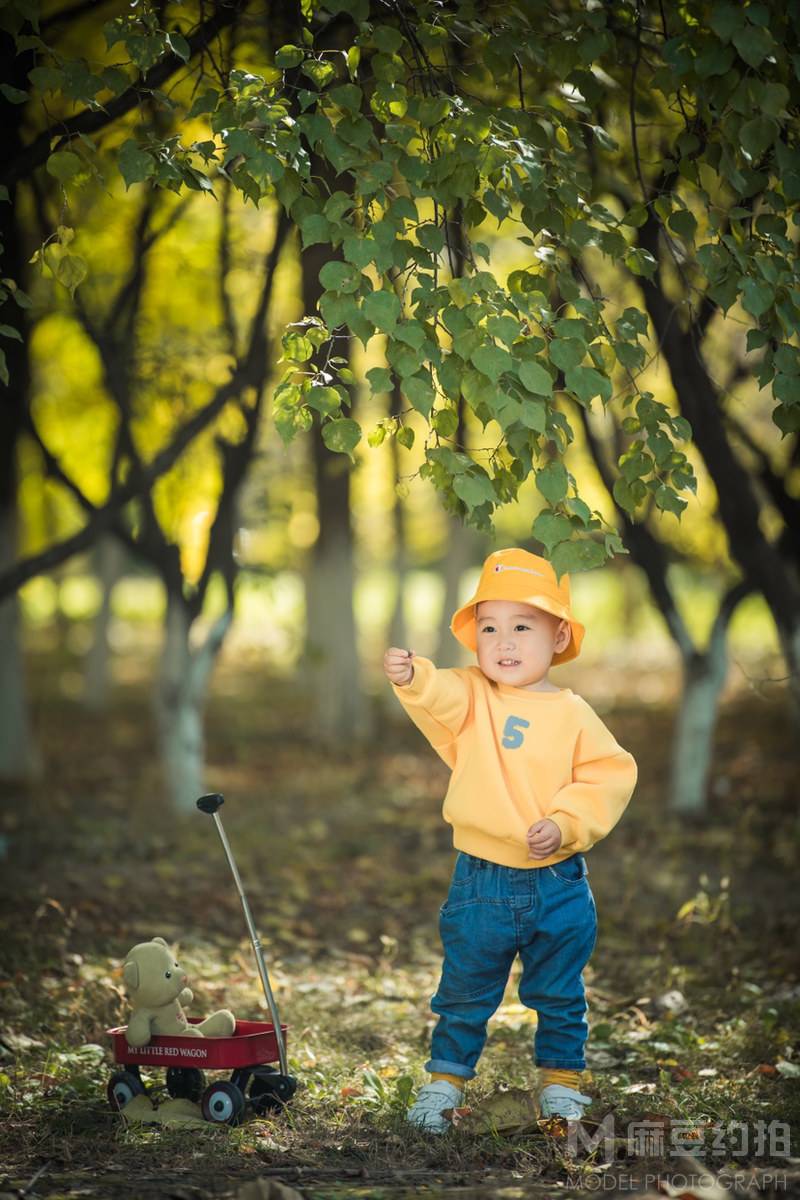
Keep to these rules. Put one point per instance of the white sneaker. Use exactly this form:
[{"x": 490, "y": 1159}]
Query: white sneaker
[
  {"x": 555, "y": 1100},
  {"x": 432, "y": 1099}
]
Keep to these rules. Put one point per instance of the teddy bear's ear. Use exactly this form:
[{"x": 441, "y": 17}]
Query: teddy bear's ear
[
  {"x": 161, "y": 940},
  {"x": 130, "y": 975}
]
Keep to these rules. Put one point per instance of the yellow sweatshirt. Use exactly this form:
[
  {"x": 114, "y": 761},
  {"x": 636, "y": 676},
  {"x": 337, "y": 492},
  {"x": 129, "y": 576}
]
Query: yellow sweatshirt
[{"x": 517, "y": 756}]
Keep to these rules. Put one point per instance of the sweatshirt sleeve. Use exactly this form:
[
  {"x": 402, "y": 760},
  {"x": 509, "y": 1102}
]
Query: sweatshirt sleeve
[
  {"x": 603, "y": 779},
  {"x": 438, "y": 702}
]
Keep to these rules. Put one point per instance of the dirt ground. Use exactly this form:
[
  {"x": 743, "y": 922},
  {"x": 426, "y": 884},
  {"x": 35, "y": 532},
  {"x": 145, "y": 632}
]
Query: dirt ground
[{"x": 694, "y": 987}]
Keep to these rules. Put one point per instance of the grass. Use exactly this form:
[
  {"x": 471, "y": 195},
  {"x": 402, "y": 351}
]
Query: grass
[{"x": 694, "y": 995}]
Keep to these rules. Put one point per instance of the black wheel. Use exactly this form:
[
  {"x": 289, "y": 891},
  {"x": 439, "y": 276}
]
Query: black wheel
[
  {"x": 223, "y": 1103},
  {"x": 185, "y": 1083},
  {"x": 269, "y": 1090},
  {"x": 122, "y": 1088}
]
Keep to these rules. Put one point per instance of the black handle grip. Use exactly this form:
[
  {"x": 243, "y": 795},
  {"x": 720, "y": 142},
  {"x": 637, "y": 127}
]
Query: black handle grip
[{"x": 209, "y": 804}]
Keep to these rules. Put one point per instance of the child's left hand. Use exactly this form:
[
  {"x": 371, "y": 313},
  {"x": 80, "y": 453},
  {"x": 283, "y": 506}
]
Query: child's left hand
[{"x": 543, "y": 838}]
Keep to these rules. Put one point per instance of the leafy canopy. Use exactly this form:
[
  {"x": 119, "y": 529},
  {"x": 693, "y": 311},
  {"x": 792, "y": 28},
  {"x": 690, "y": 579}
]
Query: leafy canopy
[{"x": 444, "y": 119}]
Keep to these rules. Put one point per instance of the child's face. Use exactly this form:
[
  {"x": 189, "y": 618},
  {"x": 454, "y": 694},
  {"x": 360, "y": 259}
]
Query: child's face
[{"x": 516, "y": 642}]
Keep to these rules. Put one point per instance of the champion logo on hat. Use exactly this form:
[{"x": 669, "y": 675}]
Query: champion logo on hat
[{"x": 498, "y": 567}]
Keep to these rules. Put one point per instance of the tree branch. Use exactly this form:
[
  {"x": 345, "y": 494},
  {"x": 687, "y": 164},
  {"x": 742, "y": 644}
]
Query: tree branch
[
  {"x": 56, "y": 136},
  {"x": 36, "y": 564}
]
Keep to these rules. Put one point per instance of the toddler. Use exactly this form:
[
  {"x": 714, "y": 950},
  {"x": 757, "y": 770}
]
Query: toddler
[{"x": 537, "y": 779}]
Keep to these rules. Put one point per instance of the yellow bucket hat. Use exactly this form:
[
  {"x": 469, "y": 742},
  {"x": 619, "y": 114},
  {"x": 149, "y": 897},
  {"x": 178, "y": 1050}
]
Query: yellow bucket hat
[{"x": 519, "y": 575}]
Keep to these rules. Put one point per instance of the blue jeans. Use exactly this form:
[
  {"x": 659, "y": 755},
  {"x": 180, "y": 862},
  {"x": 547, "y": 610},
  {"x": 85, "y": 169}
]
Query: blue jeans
[{"x": 547, "y": 915}]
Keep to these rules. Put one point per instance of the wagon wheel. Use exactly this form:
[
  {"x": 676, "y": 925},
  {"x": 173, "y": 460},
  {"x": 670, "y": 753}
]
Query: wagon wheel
[
  {"x": 223, "y": 1103},
  {"x": 269, "y": 1090},
  {"x": 122, "y": 1087},
  {"x": 185, "y": 1083}
]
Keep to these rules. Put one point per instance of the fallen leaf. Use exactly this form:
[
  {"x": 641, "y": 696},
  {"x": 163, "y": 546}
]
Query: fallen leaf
[{"x": 508, "y": 1111}]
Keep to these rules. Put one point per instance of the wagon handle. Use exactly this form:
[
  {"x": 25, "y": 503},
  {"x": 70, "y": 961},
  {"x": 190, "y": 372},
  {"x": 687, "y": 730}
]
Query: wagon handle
[{"x": 210, "y": 804}]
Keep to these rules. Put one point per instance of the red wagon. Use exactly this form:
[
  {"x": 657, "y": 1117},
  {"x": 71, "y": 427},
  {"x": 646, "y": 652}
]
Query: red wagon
[{"x": 246, "y": 1054}]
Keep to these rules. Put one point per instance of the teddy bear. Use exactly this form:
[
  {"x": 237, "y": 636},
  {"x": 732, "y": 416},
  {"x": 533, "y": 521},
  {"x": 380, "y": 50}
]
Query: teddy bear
[{"x": 156, "y": 985}]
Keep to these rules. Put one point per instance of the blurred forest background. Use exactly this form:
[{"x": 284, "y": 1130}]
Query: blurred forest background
[{"x": 225, "y": 632}]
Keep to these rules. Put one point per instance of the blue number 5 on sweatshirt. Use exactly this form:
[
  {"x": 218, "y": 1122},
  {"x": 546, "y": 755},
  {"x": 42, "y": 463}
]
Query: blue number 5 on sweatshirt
[{"x": 513, "y": 736}]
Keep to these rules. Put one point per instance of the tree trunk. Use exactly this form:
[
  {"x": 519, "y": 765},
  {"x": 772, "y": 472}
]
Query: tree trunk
[
  {"x": 464, "y": 549},
  {"x": 738, "y": 509},
  {"x": 339, "y": 708},
  {"x": 398, "y": 630},
  {"x": 19, "y": 757},
  {"x": 109, "y": 560},
  {"x": 180, "y": 696},
  {"x": 704, "y": 678}
]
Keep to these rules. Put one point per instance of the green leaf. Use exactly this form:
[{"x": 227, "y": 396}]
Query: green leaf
[
  {"x": 726, "y": 19},
  {"x": 340, "y": 277},
  {"x": 586, "y": 383},
  {"x": 757, "y": 297},
  {"x": 9, "y": 331},
  {"x": 683, "y": 223},
  {"x": 759, "y": 134},
  {"x": 315, "y": 229},
  {"x": 420, "y": 392},
  {"x": 347, "y": 96},
  {"x": 566, "y": 352},
  {"x": 71, "y": 270},
  {"x": 582, "y": 555},
  {"x": 536, "y": 378},
  {"x": 551, "y": 528},
  {"x": 359, "y": 250},
  {"x": 640, "y": 262},
  {"x": 387, "y": 39},
  {"x": 491, "y": 360},
  {"x": 669, "y": 501},
  {"x": 296, "y": 346},
  {"x": 380, "y": 379},
  {"x": 47, "y": 79},
  {"x": 431, "y": 237},
  {"x": 405, "y": 436},
  {"x": 533, "y": 415},
  {"x": 753, "y": 44},
  {"x": 383, "y": 309},
  {"x": 13, "y": 95},
  {"x": 206, "y": 103},
  {"x": 342, "y": 435},
  {"x": 507, "y": 329},
  {"x": 319, "y": 72},
  {"x": 324, "y": 399},
  {"x": 552, "y": 482},
  {"x": 787, "y": 418},
  {"x": 178, "y": 45},
  {"x": 288, "y": 56},
  {"x": 474, "y": 488},
  {"x": 476, "y": 388},
  {"x": 135, "y": 164},
  {"x": 64, "y": 165},
  {"x": 445, "y": 422},
  {"x": 432, "y": 110}
]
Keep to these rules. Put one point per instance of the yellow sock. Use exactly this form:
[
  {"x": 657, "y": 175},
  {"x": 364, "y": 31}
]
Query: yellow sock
[
  {"x": 557, "y": 1075},
  {"x": 457, "y": 1080}
]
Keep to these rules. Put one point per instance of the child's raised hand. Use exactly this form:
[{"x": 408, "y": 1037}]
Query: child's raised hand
[
  {"x": 543, "y": 838},
  {"x": 397, "y": 666}
]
